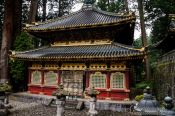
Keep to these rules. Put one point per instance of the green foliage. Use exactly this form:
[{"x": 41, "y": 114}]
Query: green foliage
[
  {"x": 156, "y": 8},
  {"x": 137, "y": 43},
  {"x": 111, "y": 6},
  {"x": 25, "y": 10},
  {"x": 139, "y": 97},
  {"x": 23, "y": 42},
  {"x": 102, "y": 4},
  {"x": 4, "y": 87},
  {"x": 158, "y": 11},
  {"x": 143, "y": 84},
  {"x": 160, "y": 29},
  {"x": 58, "y": 8},
  {"x": 17, "y": 67}
]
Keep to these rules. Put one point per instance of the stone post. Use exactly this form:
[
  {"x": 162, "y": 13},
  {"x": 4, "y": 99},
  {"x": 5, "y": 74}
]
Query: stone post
[
  {"x": 93, "y": 94},
  {"x": 92, "y": 111},
  {"x": 60, "y": 107},
  {"x": 60, "y": 94}
]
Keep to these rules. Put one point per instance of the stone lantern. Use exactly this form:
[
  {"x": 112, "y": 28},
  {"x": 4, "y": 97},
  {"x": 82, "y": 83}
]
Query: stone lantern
[
  {"x": 148, "y": 105},
  {"x": 168, "y": 104},
  {"x": 60, "y": 94},
  {"x": 93, "y": 94}
]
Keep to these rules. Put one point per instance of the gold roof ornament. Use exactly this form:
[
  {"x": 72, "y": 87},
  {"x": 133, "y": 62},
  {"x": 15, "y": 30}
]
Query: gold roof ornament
[
  {"x": 142, "y": 49},
  {"x": 28, "y": 25}
]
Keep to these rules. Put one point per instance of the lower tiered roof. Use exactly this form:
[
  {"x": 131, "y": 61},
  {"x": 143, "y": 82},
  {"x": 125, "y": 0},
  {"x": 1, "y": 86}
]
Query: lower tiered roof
[{"x": 113, "y": 51}]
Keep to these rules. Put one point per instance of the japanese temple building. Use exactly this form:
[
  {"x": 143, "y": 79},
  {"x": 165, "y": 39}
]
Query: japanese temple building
[{"x": 88, "y": 48}]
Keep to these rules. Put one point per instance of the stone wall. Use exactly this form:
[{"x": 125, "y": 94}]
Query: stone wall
[{"x": 164, "y": 75}]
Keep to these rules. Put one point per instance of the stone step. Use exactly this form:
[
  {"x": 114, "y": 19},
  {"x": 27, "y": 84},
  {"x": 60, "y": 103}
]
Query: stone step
[
  {"x": 71, "y": 104},
  {"x": 45, "y": 100},
  {"x": 120, "y": 106}
]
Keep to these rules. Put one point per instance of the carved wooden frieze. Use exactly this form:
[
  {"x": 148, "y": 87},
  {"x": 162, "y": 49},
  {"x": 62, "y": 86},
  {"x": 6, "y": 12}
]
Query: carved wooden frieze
[
  {"x": 98, "y": 66},
  {"x": 119, "y": 67},
  {"x": 73, "y": 66}
]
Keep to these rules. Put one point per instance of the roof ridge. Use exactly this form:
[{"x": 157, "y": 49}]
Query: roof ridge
[
  {"x": 84, "y": 9},
  {"x": 112, "y": 13},
  {"x": 127, "y": 46},
  {"x": 170, "y": 52},
  {"x": 21, "y": 52},
  {"x": 97, "y": 52}
]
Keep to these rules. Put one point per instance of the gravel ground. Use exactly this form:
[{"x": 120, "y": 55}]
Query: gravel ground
[{"x": 35, "y": 109}]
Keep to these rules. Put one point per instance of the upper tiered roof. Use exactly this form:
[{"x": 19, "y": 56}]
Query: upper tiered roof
[{"x": 84, "y": 18}]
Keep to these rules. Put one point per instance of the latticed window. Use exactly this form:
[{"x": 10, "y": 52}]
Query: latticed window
[
  {"x": 36, "y": 77},
  {"x": 50, "y": 78},
  {"x": 98, "y": 80},
  {"x": 117, "y": 80}
]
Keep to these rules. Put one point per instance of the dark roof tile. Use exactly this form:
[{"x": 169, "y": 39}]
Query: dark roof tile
[
  {"x": 84, "y": 17},
  {"x": 83, "y": 51}
]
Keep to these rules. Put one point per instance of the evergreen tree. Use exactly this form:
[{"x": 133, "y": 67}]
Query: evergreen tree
[
  {"x": 33, "y": 11},
  {"x": 25, "y": 11},
  {"x": 18, "y": 69},
  {"x": 158, "y": 11},
  {"x": 58, "y": 8},
  {"x": 111, "y": 5}
]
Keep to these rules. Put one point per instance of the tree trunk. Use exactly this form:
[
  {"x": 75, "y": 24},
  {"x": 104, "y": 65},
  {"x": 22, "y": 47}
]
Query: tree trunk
[
  {"x": 143, "y": 36},
  {"x": 44, "y": 10},
  {"x": 6, "y": 39},
  {"x": 60, "y": 9},
  {"x": 126, "y": 5},
  {"x": 17, "y": 19},
  {"x": 33, "y": 11},
  {"x": 142, "y": 23}
]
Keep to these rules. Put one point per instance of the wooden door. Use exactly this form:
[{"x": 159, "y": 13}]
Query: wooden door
[{"x": 73, "y": 82}]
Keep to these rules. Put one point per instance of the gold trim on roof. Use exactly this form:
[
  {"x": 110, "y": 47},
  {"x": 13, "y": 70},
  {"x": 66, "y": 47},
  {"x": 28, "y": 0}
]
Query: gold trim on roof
[
  {"x": 101, "y": 24},
  {"x": 36, "y": 65},
  {"x": 120, "y": 67},
  {"x": 98, "y": 66},
  {"x": 130, "y": 48},
  {"x": 83, "y": 42},
  {"x": 172, "y": 15},
  {"x": 73, "y": 66},
  {"x": 51, "y": 66},
  {"x": 84, "y": 59}
]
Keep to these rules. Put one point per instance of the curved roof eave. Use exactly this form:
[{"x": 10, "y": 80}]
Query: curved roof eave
[{"x": 85, "y": 18}]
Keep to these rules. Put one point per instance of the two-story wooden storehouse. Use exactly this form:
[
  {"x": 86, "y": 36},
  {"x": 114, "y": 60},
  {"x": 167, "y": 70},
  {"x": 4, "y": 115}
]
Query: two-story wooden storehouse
[{"x": 88, "y": 48}]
